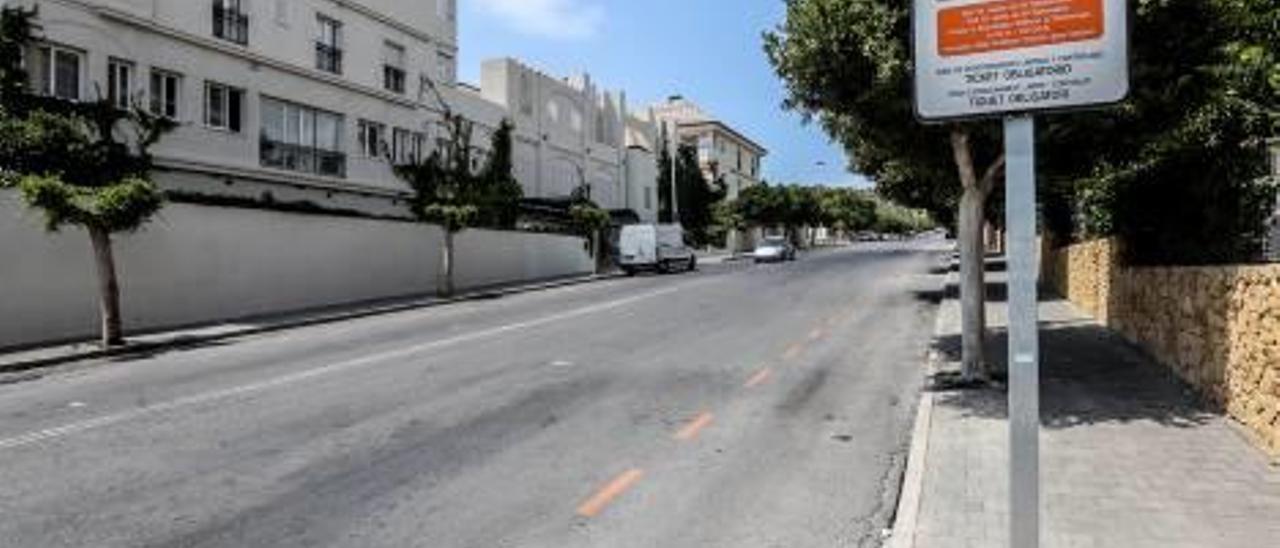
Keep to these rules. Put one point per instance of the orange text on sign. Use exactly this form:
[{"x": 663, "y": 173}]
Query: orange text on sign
[{"x": 1016, "y": 24}]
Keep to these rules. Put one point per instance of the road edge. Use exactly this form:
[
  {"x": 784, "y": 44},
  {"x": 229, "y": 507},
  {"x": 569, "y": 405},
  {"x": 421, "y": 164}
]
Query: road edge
[
  {"x": 906, "y": 516},
  {"x": 192, "y": 337}
]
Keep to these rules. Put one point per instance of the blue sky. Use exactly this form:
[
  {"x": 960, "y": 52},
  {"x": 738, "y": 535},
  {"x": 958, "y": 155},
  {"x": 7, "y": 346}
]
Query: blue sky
[{"x": 707, "y": 50}]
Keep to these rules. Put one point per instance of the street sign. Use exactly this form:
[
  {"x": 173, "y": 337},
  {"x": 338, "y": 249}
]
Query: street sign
[{"x": 977, "y": 58}]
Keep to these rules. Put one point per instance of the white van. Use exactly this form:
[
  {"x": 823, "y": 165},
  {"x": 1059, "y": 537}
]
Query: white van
[{"x": 659, "y": 248}]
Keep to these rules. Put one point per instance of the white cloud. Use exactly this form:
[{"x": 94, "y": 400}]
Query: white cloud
[{"x": 558, "y": 19}]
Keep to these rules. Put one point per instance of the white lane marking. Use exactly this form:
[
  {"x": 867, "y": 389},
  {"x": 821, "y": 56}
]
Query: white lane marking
[{"x": 107, "y": 420}]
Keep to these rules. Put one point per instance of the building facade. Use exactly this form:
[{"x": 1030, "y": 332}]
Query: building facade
[
  {"x": 317, "y": 99},
  {"x": 723, "y": 152}
]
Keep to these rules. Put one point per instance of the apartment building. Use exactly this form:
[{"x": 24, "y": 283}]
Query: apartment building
[
  {"x": 723, "y": 151},
  {"x": 301, "y": 98}
]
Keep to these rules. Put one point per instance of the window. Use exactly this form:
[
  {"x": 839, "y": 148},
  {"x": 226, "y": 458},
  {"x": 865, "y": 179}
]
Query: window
[
  {"x": 373, "y": 139},
  {"x": 166, "y": 93},
  {"x": 393, "y": 74},
  {"x": 57, "y": 72},
  {"x": 120, "y": 83},
  {"x": 301, "y": 138},
  {"x": 601, "y": 134},
  {"x": 446, "y": 9},
  {"x": 329, "y": 45},
  {"x": 230, "y": 22},
  {"x": 222, "y": 107},
  {"x": 444, "y": 67},
  {"x": 648, "y": 197},
  {"x": 407, "y": 146}
]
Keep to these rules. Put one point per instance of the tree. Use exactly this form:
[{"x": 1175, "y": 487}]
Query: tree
[
  {"x": 74, "y": 163},
  {"x": 848, "y": 64},
  {"x": 445, "y": 193},
  {"x": 499, "y": 191},
  {"x": 666, "y": 187},
  {"x": 696, "y": 196},
  {"x": 589, "y": 220}
]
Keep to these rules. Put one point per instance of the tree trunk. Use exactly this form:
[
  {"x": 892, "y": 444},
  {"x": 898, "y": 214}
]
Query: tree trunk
[
  {"x": 973, "y": 288},
  {"x": 973, "y": 285},
  {"x": 108, "y": 288},
  {"x": 595, "y": 251},
  {"x": 446, "y": 265}
]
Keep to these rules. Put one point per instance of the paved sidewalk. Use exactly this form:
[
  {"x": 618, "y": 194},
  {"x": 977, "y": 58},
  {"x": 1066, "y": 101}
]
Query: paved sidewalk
[
  {"x": 1129, "y": 458},
  {"x": 22, "y": 364}
]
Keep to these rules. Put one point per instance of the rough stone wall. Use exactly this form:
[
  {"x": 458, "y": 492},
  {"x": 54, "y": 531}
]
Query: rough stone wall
[{"x": 1218, "y": 328}]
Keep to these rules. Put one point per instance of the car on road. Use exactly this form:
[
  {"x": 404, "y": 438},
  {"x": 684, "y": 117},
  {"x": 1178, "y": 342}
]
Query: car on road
[
  {"x": 654, "y": 247},
  {"x": 774, "y": 249}
]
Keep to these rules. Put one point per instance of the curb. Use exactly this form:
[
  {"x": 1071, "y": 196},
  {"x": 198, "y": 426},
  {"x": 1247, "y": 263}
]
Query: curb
[
  {"x": 181, "y": 341},
  {"x": 907, "y": 515}
]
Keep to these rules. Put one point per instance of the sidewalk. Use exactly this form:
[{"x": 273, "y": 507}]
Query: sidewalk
[
  {"x": 1128, "y": 457},
  {"x": 17, "y": 365}
]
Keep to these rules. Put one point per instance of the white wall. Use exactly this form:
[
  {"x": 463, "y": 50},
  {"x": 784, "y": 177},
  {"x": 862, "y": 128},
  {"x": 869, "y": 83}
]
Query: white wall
[{"x": 199, "y": 264}]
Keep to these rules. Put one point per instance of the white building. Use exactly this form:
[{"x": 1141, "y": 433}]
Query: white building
[
  {"x": 306, "y": 99},
  {"x": 723, "y": 152}
]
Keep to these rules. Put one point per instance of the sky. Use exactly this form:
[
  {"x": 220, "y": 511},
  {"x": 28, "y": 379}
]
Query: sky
[{"x": 709, "y": 51}]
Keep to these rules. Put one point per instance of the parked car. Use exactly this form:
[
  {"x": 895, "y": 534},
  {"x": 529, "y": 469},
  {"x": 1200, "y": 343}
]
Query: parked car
[
  {"x": 774, "y": 249},
  {"x": 659, "y": 248}
]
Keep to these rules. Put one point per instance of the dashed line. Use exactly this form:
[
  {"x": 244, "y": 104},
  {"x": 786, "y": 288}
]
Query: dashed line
[
  {"x": 758, "y": 378},
  {"x": 695, "y": 426},
  {"x": 793, "y": 351},
  {"x": 593, "y": 506},
  {"x": 817, "y": 334}
]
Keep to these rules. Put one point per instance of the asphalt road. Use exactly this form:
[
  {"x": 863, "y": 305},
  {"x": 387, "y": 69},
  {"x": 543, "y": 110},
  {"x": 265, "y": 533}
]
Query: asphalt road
[{"x": 742, "y": 406}]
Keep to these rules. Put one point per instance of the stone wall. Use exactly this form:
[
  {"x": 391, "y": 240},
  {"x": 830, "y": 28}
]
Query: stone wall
[{"x": 1218, "y": 328}]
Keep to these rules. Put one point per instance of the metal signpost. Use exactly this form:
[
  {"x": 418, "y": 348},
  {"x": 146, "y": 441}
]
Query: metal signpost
[{"x": 1010, "y": 59}]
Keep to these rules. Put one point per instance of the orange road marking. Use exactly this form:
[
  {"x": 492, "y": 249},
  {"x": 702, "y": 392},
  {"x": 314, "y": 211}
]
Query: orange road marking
[
  {"x": 758, "y": 378},
  {"x": 694, "y": 426},
  {"x": 793, "y": 351},
  {"x": 599, "y": 501},
  {"x": 816, "y": 334},
  {"x": 832, "y": 321}
]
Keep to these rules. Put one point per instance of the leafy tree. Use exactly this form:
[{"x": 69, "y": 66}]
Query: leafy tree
[
  {"x": 666, "y": 187},
  {"x": 445, "y": 191},
  {"x": 589, "y": 220},
  {"x": 71, "y": 162},
  {"x": 696, "y": 196},
  {"x": 847, "y": 63},
  {"x": 499, "y": 191}
]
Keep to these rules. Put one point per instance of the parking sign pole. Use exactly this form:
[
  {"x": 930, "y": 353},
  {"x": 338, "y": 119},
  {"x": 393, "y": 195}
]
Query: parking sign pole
[{"x": 1024, "y": 336}]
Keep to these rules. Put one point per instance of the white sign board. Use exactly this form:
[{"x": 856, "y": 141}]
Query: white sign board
[{"x": 995, "y": 57}]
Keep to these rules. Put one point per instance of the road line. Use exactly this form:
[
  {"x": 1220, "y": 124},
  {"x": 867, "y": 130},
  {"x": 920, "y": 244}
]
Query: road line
[
  {"x": 601, "y": 499},
  {"x": 793, "y": 351},
  {"x": 758, "y": 378},
  {"x": 695, "y": 426},
  {"x": 816, "y": 334},
  {"x": 339, "y": 367}
]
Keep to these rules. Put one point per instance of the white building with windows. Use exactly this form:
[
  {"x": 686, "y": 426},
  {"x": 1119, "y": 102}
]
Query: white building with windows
[
  {"x": 723, "y": 152},
  {"x": 311, "y": 99}
]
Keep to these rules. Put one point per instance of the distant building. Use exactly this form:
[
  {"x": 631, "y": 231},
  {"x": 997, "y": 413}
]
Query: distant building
[{"x": 723, "y": 151}]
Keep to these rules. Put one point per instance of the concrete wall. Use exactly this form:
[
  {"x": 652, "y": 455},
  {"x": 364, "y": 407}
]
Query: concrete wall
[
  {"x": 1218, "y": 328},
  {"x": 198, "y": 264}
]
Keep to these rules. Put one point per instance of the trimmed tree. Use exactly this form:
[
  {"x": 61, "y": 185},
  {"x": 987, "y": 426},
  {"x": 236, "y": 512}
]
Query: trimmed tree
[
  {"x": 590, "y": 221},
  {"x": 80, "y": 164}
]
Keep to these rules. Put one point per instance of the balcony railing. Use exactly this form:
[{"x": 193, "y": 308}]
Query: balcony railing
[
  {"x": 303, "y": 159},
  {"x": 230, "y": 25},
  {"x": 393, "y": 78},
  {"x": 328, "y": 58}
]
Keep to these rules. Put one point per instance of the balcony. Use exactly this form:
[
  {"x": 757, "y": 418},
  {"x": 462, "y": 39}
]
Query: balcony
[
  {"x": 328, "y": 58},
  {"x": 230, "y": 25},
  {"x": 303, "y": 159}
]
